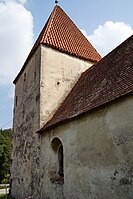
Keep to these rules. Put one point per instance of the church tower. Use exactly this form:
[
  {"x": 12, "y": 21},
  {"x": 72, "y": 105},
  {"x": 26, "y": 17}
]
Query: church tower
[{"x": 56, "y": 61}]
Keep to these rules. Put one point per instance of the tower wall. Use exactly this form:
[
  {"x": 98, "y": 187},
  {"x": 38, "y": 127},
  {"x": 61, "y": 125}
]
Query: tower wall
[
  {"x": 26, "y": 123},
  {"x": 42, "y": 86},
  {"x": 59, "y": 73}
]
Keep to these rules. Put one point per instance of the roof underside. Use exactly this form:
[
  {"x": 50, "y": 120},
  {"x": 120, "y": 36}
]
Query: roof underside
[
  {"x": 62, "y": 34},
  {"x": 105, "y": 81}
]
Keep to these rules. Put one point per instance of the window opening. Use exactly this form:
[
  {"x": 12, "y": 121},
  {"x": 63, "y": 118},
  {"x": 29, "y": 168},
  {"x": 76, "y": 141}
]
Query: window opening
[
  {"x": 16, "y": 100},
  {"x": 57, "y": 162},
  {"x": 60, "y": 161},
  {"x": 34, "y": 75},
  {"x": 24, "y": 76}
]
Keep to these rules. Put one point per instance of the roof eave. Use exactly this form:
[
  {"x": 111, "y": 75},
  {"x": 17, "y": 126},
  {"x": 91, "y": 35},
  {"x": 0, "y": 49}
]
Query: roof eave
[
  {"x": 47, "y": 126},
  {"x": 53, "y": 47}
]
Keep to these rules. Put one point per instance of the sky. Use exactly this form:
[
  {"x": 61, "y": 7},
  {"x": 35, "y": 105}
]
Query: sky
[{"x": 105, "y": 23}]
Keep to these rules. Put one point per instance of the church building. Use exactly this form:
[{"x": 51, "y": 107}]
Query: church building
[{"x": 73, "y": 118}]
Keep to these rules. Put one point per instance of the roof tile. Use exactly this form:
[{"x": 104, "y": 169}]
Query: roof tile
[{"x": 62, "y": 34}]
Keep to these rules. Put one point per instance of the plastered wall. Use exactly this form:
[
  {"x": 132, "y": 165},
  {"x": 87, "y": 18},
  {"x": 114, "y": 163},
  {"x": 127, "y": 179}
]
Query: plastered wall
[
  {"x": 59, "y": 73},
  {"x": 98, "y": 158},
  {"x": 41, "y": 87}
]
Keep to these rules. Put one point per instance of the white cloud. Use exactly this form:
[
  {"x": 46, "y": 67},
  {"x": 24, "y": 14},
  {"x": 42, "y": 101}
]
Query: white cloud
[
  {"x": 109, "y": 35},
  {"x": 16, "y": 38},
  {"x": 15, "y": 1},
  {"x": 22, "y": 1}
]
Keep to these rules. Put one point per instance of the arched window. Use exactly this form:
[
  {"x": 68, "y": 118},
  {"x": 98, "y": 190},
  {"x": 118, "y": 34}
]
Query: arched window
[{"x": 57, "y": 161}]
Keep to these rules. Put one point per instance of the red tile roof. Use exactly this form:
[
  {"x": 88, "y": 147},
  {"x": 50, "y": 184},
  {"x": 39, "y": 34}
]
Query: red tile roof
[
  {"x": 105, "y": 81},
  {"x": 62, "y": 34}
]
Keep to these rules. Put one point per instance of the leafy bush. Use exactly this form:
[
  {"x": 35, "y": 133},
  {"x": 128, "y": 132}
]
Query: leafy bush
[
  {"x": 5, "y": 153},
  {"x": 5, "y": 181},
  {"x": 3, "y": 196}
]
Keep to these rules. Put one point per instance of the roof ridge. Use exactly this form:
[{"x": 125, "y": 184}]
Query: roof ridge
[
  {"x": 50, "y": 19},
  {"x": 61, "y": 33},
  {"x": 79, "y": 30}
]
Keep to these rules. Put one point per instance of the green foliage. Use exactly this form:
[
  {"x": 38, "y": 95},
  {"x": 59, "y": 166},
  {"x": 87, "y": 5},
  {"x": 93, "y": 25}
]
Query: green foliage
[
  {"x": 6, "y": 179},
  {"x": 5, "y": 153},
  {"x": 3, "y": 196}
]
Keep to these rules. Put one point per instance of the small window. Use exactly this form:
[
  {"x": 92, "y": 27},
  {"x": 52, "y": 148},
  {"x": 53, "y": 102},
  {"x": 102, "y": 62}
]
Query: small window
[
  {"x": 16, "y": 100},
  {"x": 34, "y": 75},
  {"x": 24, "y": 77}
]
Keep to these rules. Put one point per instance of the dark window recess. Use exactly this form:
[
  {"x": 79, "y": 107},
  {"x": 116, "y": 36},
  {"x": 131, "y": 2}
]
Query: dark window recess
[
  {"x": 37, "y": 97},
  {"x": 16, "y": 100},
  {"x": 34, "y": 75},
  {"x": 24, "y": 76},
  {"x": 57, "y": 162},
  {"x": 60, "y": 161},
  {"x": 58, "y": 83}
]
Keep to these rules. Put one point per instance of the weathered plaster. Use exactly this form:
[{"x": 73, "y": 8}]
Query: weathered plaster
[
  {"x": 59, "y": 73},
  {"x": 26, "y": 122},
  {"x": 44, "y": 83},
  {"x": 98, "y": 158}
]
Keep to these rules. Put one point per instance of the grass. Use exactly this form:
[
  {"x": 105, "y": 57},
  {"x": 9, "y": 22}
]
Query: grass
[{"x": 3, "y": 196}]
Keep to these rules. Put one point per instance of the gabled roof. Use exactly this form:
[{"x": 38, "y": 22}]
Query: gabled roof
[
  {"x": 105, "y": 81},
  {"x": 62, "y": 34}
]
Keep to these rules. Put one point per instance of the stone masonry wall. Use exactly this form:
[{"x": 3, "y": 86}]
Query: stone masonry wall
[
  {"x": 26, "y": 123},
  {"x": 44, "y": 83}
]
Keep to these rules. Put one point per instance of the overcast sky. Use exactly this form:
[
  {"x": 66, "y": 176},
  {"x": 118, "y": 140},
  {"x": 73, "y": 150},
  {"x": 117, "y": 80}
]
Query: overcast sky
[{"x": 105, "y": 23}]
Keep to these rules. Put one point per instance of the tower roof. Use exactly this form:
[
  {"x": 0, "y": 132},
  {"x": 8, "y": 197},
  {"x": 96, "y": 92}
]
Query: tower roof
[
  {"x": 109, "y": 79},
  {"x": 62, "y": 34}
]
